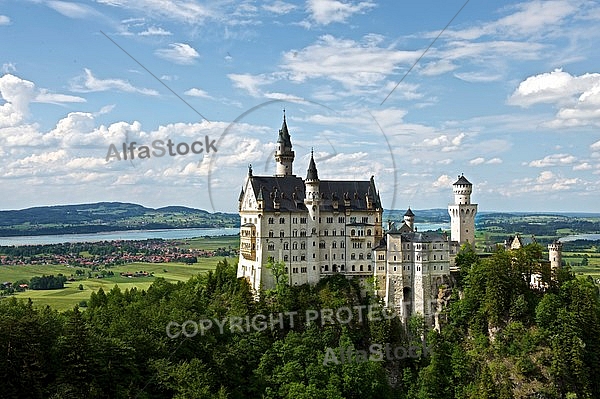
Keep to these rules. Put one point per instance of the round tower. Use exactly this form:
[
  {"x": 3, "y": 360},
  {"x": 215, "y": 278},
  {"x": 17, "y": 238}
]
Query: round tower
[
  {"x": 284, "y": 156},
  {"x": 462, "y": 212},
  {"x": 555, "y": 254}
]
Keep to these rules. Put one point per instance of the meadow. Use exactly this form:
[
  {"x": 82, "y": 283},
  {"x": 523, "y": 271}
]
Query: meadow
[{"x": 71, "y": 295}]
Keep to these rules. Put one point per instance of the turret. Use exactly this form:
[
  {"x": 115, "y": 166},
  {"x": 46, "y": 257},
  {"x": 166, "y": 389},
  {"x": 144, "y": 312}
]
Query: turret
[
  {"x": 284, "y": 156},
  {"x": 555, "y": 254},
  {"x": 462, "y": 212},
  {"x": 409, "y": 219}
]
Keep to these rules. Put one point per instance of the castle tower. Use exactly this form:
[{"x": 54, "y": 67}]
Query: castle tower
[
  {"x": 555, "y": 254},
  {"x": 284, "y": 156},
  {"x": 462, "y": 212},
  {"x": 409, "y": 219},
  {"x": 312, "y": 200}
]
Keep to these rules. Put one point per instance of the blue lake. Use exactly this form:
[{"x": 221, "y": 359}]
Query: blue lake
[{"x": 166, "y": 234}]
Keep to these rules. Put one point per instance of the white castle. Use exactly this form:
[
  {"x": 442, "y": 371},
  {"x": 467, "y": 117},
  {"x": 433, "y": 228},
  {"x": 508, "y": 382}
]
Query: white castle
[{"x": 321, "y": 227}]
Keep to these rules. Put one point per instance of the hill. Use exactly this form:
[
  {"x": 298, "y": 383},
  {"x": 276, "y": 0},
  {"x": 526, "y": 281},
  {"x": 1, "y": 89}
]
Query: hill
[{"x": 107, "y": 216}]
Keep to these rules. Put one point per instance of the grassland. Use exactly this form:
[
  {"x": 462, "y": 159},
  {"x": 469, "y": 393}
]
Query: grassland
[{"x": 71, "y": 295}]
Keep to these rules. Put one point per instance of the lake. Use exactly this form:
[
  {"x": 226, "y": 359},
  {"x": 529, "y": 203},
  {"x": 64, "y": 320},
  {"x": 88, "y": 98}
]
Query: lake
[{"x": 167, "y": 234}]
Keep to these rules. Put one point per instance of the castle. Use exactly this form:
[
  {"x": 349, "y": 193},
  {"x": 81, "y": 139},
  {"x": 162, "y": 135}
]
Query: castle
[{"x": 321, "y": 227}]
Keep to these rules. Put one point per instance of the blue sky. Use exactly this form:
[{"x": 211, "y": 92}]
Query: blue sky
[{"x": 509, "y": 95}]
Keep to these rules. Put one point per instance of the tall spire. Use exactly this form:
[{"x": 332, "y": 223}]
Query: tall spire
[
  {"x": 284, "y": 134},
  {"x": 284, "y": 156},
  {"x": 312, "y": 168}
]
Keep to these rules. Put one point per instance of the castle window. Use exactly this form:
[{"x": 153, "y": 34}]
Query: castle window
[
  {"x": 441, "y": 257},
  {"x": 369, "y": 255},
  {"x": 281, "y": 233},
  {"x": 361, "y": 268},
  {"x": 334, "y": 245},
  {"x": 271, "y": 220},
  {"x": 326, "y": 268},
  {"x": 380, "y": 257},
  {"x": 314, "y": 243},
  {"x": 341, "y": 232},
  {"x": 285, "y": 258},
  {"x": 295, "y": 220},
  {"x": 319, "y": 219},
  {"x": 369, "y": 244},
  {"x": 271, "y": 246},
  {"x": 314, "y": 256},
  {"x": 353, "y": 232},
  {"x": 394, "y": 268},
  {"x": 342, "y": 245},
  {"x": 295, "y": 233},
  {"x": 369, "y": 267},
  {"x": 295, "y": 258},
  {"x": 303, "y": 220},
  {"x": 303, "y": 270},
  {"x": 341, "y": 219},
  {"x": 302, "y": 233},
  {"x": 441, "y": 267},
  {"x": 365, "y": 219},
  {"x": 353, "y": 268},
  {"x": 295, "y": 245},
  {"x": 361, "y": 256},
  {"x": 352, "y": 256},
  {"x": 330, "y": 220},
  {"x": 368, "y": 232},
  {"x": 303, "y": 257},
  {"x": 281, "y": 220},
  {"x": 325, "y": 233},
  {"x": 325, "y": 256},
  {"x": 333, "y": 232},
  {"x": 270, "y": 233},
  {"x": 302, "y": 245},
  {"x": 333, "y": 256},
  {"x": 286, "y": 245},
  {"x": 418, "y": 268},
  {"x": 286, "y": 269},
  {"x": 434, "y": 257},
  {"x": 294, "y": 270},
  {"x": 342, "y": 267},
  {"x": 434, "y": 267}
]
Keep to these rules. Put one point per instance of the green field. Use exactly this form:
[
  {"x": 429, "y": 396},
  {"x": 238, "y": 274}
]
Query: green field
[{"x": 71, "y": 295}]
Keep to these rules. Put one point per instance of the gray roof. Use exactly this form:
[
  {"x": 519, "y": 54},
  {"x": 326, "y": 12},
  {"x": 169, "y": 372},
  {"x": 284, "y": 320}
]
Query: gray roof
[
  {"x": 289, "y": 192},
  {"x": 462, "y": 180},
  {"x": 427, "y": 236}
]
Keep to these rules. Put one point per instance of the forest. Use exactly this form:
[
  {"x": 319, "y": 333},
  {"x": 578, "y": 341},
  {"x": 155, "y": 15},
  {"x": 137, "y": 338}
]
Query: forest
[{"x": 500, "y": 339}]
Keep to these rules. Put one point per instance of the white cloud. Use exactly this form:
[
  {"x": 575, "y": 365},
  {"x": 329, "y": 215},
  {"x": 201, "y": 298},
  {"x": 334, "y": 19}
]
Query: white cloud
[
  {"x": 353, "y": 64},
  {"x": 583, "y": 166},
  {"x": 494, "y": 161},
  {"x": 89, "y": 83},
  {"x": 439, "y": 67},
  {"x": 155, "y": 31},
  {"x": 179, "y": 53},
  {"x": 279, "y": 7},
  {"x": 478, "y": 77},
  {"x": 443, "y": 182},
  {"x": 477, "y": 161},
  {"x": 444, "y": 141},
  {"x": 17, "y": 94},
  {"x": 324, "y": 12},
  {"x": 577, "y": 97},
  {"x": 72, "y": 10},
  {"x": 186, "y": 11},
  {"x": 4, "y": 20},
  {"x": 194, "y": 92},
  {"x": 595, "y": 146},
  {"x": 56, "y": 98},
  {"x": 553, "y": 160},
  {"x": 251, "y": 83}
]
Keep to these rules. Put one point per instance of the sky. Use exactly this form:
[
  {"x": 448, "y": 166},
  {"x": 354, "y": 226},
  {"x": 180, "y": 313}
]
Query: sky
[{"x": 412, "y": 93}]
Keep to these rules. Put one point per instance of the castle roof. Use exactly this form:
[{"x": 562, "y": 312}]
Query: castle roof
[
  {"x": 409, "y": 212},
  {"x": 462, "y": 181},
  {"x": 289, "y": 192},
  {"x": 312, "y": 169},
  {"x": 284, "y": 134}
]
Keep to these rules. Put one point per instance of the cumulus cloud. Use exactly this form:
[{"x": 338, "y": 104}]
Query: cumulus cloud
[
  {"x": 576, "y": 97},
  {"x": 4, "y": 20},
  {"x": 89, "y": 83},
  {"x": 179, "y": 53}
]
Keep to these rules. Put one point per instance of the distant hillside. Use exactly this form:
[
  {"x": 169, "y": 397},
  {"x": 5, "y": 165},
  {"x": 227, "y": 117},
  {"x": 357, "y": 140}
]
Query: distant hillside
[{"x": 107, "y": 216}]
